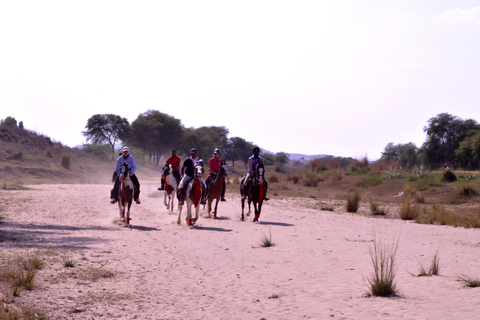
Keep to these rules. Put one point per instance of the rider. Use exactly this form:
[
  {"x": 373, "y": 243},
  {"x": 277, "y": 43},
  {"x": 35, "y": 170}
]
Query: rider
[
  {"x": 187, "y": 171},
  {"x": 213, "y": 166},
  {"x": 174, "y": 161},
  {"x": 253, "y": 163},
  {"x": 125, "y": 157}
]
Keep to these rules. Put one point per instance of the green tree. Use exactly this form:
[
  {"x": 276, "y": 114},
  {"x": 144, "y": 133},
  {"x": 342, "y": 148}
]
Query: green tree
[
  {"x": 408, "y": 155},
  {"x": 238, "y": 149},
  {"x": 156, "y": 133},
  {"x": 390, "y": 153},
  {"x": 106, "y": 128},
  {"x": 282, "y": 158},
  {"x": 468, "y": 153},
  {"x": 9, "y": 122},
  {"x": 444, "y": 134}
]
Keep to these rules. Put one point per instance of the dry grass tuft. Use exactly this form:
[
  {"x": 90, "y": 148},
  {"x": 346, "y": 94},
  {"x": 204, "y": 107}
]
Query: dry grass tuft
[
  {"x": 383, "y": 258},
  {"x": 470, "y": 282},
  {"x": 267, "y": 242},
  {"x": 353, "y": 201},
  {"x": 409, "y": 211},
  {"x": 434, "y": 267},
  {"x": 377, "y": 210}
]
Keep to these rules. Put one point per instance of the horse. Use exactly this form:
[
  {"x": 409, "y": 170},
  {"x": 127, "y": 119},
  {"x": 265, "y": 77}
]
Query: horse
[
  {"x": 193, "y": 195},
  {"x": 125, "y": 194},
  {"x": 214, "y": 189},
  {"x": 255, "y": 192},
  {"x": 171, "y": 185}
]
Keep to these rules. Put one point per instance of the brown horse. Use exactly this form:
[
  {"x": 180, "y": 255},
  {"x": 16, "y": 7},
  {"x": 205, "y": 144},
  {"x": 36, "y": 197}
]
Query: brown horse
[
  {"x": 193, "y": 196},
  {"x": 255, "y": 192},
  {"x": 125, "y": 194},
  {"x": 214, "y": 189}
]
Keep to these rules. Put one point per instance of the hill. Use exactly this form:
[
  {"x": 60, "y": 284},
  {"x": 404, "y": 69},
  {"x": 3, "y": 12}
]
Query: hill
[{"x": 29, "y": 158}]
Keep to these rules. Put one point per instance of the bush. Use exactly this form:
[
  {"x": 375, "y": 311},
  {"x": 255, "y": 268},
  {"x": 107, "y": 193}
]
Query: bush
[
  {"x": 48, "y": 153},
  {"x": 409, "y": 211},
  {"x": 66, "y": 157},
  {"x": 449, "y": 176},
  {"x": 377, "y": 210},
  {"x": 467, "y": 191},
  {"x": 273, "y": 178},
  {"x": 353, "y": 201}
]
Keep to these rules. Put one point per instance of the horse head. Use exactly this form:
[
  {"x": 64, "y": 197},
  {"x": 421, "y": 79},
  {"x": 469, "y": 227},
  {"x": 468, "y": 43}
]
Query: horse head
[
  {"x": 167, "y": 169},
  {"x": 198, "y": 171},
  {"x": 260, "y": 173},
  {"x": 124, "y": 170}
]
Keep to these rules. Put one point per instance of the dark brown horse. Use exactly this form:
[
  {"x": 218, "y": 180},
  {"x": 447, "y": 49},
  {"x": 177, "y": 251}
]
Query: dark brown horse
[
  {"x": 214, "y": 189},
  {"x": 255, "y": 192},
  {"x": 125, "y": 194}
]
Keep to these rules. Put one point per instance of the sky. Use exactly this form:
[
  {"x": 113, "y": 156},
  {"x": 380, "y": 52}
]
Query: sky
[{"x": 342, "y": 78}]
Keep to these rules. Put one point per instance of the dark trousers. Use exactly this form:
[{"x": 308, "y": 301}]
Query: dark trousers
[{"x": 135, "y": 183}]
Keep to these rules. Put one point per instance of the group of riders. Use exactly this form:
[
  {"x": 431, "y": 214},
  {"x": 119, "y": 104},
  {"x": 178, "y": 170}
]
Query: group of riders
[{"x": 185, "y": 174}]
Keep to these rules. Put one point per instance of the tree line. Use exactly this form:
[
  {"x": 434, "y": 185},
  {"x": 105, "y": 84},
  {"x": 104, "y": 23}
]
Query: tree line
[
  {"x": 450, "y": 140},
  {"x": 157, "y": 133}
]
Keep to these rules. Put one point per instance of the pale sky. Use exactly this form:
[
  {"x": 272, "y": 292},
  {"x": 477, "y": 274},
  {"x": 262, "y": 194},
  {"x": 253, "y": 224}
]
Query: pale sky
[{"x": 343, "y": 78}]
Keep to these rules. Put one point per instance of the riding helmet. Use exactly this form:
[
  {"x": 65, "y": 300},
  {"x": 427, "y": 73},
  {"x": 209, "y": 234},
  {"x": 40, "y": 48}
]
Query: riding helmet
[{"x": 217, "y": 150}]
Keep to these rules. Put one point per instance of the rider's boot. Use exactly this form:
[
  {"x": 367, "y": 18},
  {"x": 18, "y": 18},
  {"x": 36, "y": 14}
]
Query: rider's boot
[
  {"x": 180, "y": 196},
  {"x": 163, "y": 186}
]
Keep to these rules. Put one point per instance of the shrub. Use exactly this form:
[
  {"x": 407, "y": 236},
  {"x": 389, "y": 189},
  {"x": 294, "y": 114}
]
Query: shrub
[
  {"x": 468, "y": 191},
  {"x": 353, "y": 201},
  {"x": 66, "y": 157},
  {"x": 273, "y": 178},
  {"x": 409, "y": 211},
  {"x": 449, "y": 176},
  {"x": 393, "y": 173},
  {"x": 376, "y": 209},
  {"x": 48, "y": 152}
]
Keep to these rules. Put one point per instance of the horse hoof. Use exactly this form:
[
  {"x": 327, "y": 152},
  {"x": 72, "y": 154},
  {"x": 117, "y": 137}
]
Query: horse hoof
[
  {"x": 248, "y": 214},
  {"x": 178, "y": 221}
]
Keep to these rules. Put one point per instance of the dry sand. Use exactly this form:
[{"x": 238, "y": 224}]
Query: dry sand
[{"x": 218, "y": 269}]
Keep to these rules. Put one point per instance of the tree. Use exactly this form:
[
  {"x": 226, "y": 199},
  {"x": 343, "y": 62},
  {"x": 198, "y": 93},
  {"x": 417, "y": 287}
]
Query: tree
[
  {"x": 282, "y": 158},
  {"x": 468, "y": 153},
  {"x": 444, "y": 134},
  {"x": 408, "y": 155},
  {"x": 9, "y": 122},
  {"x": 156, "y": 133},
  {"x": 106, "y": 128},
  {"x": 390, "y": 153},
  {"x": 238, "y": 149}
]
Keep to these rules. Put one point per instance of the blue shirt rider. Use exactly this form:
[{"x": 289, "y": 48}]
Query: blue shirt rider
[
  {"x": 253, "y": 163},
  {"x": 126, "y": 157}
]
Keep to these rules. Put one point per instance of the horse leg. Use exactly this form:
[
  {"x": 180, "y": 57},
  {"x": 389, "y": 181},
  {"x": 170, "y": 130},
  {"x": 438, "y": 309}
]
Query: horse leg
[
  {"x": 179, "y": 213},
  {"x": 249, "y": 208},
  {"x": 256, "y": 212},
  {"x": 243, "y": 207},
  {"x": 197, "y": 210},
  {"x": 127, "y": 218},
  {"x": 165, "y": 195},
  {"x": 216, "y": 205}
]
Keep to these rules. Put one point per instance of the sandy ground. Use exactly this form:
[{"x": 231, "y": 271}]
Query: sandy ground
[{"x": 219, "y": 270}]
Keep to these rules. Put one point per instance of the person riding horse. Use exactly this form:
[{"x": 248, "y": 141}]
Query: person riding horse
[
  {"x": 253, "y": 163},
  {"x": 213, "y": 166},
  {"x": 125, "y": 157},
  {"x": 173, "y": 161},
  {"x": 188, "y": 170}
]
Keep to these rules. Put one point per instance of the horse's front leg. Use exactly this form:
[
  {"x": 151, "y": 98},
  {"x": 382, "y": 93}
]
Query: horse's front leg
[
  {"x": 165, "y": 195},
  {"x": 121, "y": 210},
  {"x": 216, "y": 206},
  {"x": 180, "y": 207},
  {"x": 197, "y": 210},
  {"x": 127, "y": 216},
  {"x": 243, "y": 207}
]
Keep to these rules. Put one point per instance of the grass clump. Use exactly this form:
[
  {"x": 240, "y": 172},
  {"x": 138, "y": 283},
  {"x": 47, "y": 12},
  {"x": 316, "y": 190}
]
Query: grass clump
[
  {"x": 21, "y": 273},
  {"x": 377, "y": 210},
  {"x": 69, "y": 263},
  {"x": 65, "y": 160},
  {"x": 449, "y": 176},
  {"x": 409, "y": 211},
  {"x": 353, "y": 201},
  {"x": 383, "y": 258},
  {"x": 267, "y": 241},
  {"x": 470, "y": 282},
  {"x": 433, "y": 270}
]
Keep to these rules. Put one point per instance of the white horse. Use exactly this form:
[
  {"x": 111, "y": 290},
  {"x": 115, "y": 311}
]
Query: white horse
[
  {"x": 125, "y": 194},
  {"x": 171, "y": 187},
  {"x": 193, "y": 196}
]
